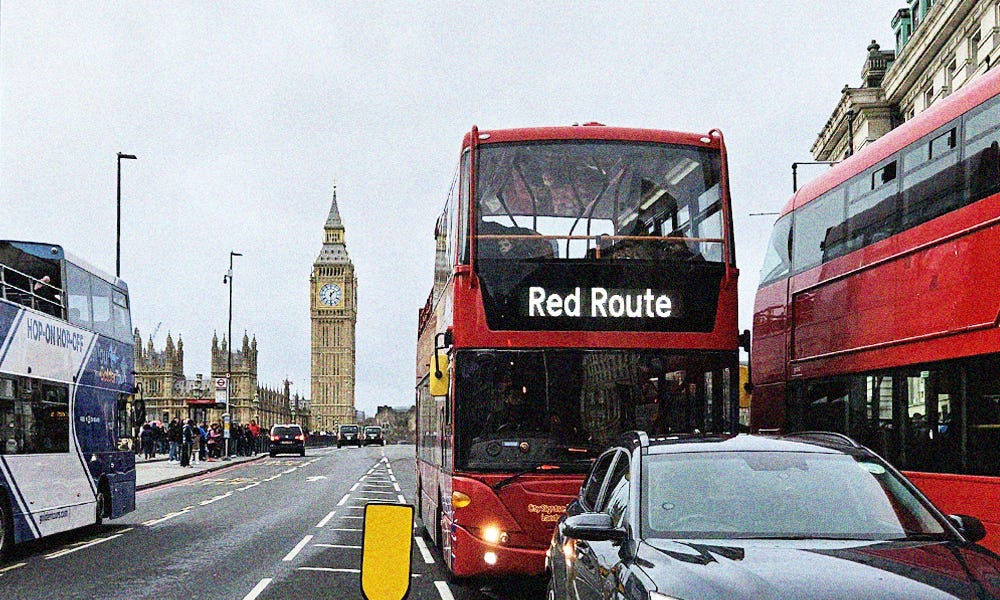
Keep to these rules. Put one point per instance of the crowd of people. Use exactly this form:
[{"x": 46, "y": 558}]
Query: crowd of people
[{"x": 186, "y": 442}]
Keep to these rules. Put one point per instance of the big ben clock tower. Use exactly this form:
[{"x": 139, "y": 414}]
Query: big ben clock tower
[{"x": 333, "y": 307}]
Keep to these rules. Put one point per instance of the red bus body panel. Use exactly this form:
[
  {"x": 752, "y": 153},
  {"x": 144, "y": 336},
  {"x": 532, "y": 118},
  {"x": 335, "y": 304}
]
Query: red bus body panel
[{"x": 926, "y": 294}]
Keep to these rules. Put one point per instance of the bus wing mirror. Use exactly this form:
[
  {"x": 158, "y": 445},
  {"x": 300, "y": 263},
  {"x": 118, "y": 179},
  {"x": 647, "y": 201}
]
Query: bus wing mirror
[
  {"x": 439, "y": 375},
  {"x": 744, "y": 340}
]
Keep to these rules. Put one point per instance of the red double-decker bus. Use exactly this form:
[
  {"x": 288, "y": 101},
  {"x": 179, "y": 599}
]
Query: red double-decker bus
[
  {"x": 585, "y": 284},
  {"x": 878, "y": 309}
]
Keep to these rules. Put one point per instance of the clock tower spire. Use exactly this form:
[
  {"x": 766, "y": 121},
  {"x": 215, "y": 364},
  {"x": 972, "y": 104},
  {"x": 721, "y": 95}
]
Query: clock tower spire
[{"x": 333, "y": 311}]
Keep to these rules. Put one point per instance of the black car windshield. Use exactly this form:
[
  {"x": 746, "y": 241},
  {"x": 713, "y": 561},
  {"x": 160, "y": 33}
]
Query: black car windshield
[
  {"x": 782, "y": 495},
  {"x": 521, "y": 410},
  {"x": 349, "y": 429},
  {"x": 286, "y": 431},
  {"x": 375, "y": 430}
]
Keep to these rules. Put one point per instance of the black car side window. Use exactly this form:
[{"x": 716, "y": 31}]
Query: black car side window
[
  {"x": 616, "y": 493},
  {"x": 591, "y": 491}
]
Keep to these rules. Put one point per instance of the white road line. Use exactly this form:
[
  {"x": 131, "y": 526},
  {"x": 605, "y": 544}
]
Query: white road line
[
  {"x": 12, "y": 567},
  {"x": 292, "y": 470},
  {"x": 402, "y": 500},
  {"x": 247, "y": 487},
  {"x": 298, "y": 548},
  {"x": 354, "y": 508},
  {"x": 351, "y": 517},
  {"x": 343, "y": 500},
  {"x": 80, "y": 547},
  {"x": 378, "y": 492},
  {"x": 168, "y": 516},
  {"x": 326, "y": 519},
  {"x": 366, "y": 498},
  {"x": 444, "y": 590},
  {"x": 344, "y": 529},
  {"x": 338, "y": 546},
  {"x": 395, "y": 486},
  {"x": 328, "y": 570},
  {"x": 423, "y": 550},
  {"x": 355, "y": 486},
  {"x": 216, "y": 499},
  {"x": 257, "y": 589}
]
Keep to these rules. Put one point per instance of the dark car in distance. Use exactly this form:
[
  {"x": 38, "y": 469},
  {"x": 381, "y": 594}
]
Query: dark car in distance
[
  {"x": 805, "y": 516},
  {"x": 287, "y": 439},
  {"x": 348, "y": 434},
  {"x": 373, "y": 435}
]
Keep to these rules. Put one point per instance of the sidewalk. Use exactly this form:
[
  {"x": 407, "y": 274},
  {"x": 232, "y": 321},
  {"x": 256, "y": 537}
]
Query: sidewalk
[{"x": 158, "y": 471}]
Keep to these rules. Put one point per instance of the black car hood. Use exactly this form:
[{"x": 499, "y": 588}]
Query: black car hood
[{"x": 813, "y": 569}]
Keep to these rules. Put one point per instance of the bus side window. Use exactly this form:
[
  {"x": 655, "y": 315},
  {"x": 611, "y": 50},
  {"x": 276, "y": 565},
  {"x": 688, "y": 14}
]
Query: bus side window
[
  {"x": 120, "y": 315},
  {"x": 982, "y": 151},
  {"x": 932, "y": 182},
  {"x": 101, "y": 297},
  {"x": 78, "y": 292}
]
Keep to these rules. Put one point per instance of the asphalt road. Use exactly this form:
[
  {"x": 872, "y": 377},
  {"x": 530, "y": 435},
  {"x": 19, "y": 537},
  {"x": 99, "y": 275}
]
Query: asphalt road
[{"x": 275, "y": 528}]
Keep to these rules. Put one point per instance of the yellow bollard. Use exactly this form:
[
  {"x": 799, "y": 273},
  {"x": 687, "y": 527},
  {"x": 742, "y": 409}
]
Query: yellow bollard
[{"x": 386, "y": 550}]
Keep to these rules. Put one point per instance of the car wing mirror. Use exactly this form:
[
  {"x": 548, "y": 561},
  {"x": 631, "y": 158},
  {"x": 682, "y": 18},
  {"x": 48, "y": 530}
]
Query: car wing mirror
[
  {"x": 971, "y": 528},
  {"x": 593, "y": 527}
]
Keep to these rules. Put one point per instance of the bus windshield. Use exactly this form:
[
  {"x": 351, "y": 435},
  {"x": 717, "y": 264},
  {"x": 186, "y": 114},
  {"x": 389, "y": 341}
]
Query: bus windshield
[
  {"x": 599, "y": 199},
  {"x": 559, "y": 409}
]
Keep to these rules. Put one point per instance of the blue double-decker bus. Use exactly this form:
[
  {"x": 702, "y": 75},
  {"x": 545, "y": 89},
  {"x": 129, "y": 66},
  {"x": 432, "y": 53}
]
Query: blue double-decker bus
[{"x": 66, "y": 385}]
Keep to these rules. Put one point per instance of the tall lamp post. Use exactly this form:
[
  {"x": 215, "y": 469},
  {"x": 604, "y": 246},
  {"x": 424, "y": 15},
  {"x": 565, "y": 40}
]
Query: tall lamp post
[
  {"x": 228, "y": 279},
  {"x": 118, "y": 235}
]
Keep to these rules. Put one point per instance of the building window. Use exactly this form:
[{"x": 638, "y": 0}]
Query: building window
[
  {"x": 928, "y": 96},
  {"x": 974, "y": 52},
  {"x": 949, "y": 74}
]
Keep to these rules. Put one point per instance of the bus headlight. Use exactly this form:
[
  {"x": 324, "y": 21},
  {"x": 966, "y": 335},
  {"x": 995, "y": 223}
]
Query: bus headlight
[
  {"x": 490, "y": 558},
  {"x": 493, "y": 535},
  {"x": 460, "y": 500}
]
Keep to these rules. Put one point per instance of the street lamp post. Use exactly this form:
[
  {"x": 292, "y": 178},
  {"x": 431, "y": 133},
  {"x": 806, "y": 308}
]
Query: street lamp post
[
  {"x": 118, "y": 234},
  {"x": 228, "y": 279}
]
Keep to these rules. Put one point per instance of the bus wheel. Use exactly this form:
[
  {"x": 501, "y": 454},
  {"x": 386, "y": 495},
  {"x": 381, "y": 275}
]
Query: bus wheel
[
  {"x": 102, "y": 506},
  {"x": 6, "y": 529}
]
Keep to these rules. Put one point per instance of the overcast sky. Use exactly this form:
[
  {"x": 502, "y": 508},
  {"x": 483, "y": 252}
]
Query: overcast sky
[{"x": 243, "y": 114}]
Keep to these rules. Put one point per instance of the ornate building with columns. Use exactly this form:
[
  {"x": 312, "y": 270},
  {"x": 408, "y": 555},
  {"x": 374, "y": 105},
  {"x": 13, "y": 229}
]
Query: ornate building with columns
[
  {"x": 334, "y": 314},
  {"x": 939, "y": 46},
  {"x": 168, "y": 393}
]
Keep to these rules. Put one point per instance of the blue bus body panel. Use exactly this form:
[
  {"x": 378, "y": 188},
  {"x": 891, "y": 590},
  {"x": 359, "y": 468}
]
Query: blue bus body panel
[{"x": 95, "y": 370}]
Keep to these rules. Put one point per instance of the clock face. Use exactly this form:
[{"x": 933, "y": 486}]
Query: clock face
[{"x": 331, "y": 294}]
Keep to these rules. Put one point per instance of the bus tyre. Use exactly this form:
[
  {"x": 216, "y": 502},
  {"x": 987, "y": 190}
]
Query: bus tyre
[
  {"x": 6, "y": 529},
  {"x": 102, "y": 506}
]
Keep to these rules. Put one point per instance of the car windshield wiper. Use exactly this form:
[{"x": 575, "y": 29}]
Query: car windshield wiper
[{"x": 922, "y": 537}]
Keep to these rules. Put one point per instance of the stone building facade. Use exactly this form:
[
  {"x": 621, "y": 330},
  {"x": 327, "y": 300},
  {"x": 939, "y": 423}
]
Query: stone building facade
[
  {"x": 939, "y": 46},
  {"x": 168, "y": 393},
  {"x": 334, "y": 314}
]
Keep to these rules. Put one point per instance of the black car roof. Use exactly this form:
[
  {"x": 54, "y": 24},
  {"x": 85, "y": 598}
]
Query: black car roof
[{"x": 694, "y": 443}]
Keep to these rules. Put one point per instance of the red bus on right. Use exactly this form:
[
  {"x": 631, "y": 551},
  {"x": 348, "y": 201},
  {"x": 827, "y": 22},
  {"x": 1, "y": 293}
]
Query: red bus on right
[{"x": 878, "y": 311}]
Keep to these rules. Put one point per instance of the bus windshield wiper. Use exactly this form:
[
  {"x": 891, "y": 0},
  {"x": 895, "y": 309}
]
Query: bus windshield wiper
[{"x": 504, "y": 482}]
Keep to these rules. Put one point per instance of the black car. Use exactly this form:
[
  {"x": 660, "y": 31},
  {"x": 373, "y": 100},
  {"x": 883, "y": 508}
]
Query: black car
[
  {"x": 373, "y": 435},
  {"x": 808, "y": 516},
  {"x": 349, "y": 434},
  {"x": 287, "y": 439}
]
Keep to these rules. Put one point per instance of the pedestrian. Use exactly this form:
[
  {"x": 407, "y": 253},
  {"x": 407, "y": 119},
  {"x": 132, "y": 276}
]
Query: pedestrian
[
  {"x": 187, "y": 440},
  {"x": 174, "y": 438},
  {"x": 195, "y": 443},
  {"x": 214, "y": 437},
  {"x": 146, "y": 441},
  {"x": 203, "y": 435}
]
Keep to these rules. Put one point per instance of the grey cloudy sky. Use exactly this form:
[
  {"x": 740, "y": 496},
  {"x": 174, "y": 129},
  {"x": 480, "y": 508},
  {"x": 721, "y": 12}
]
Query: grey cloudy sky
[{"x": 243, "y": 114}]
